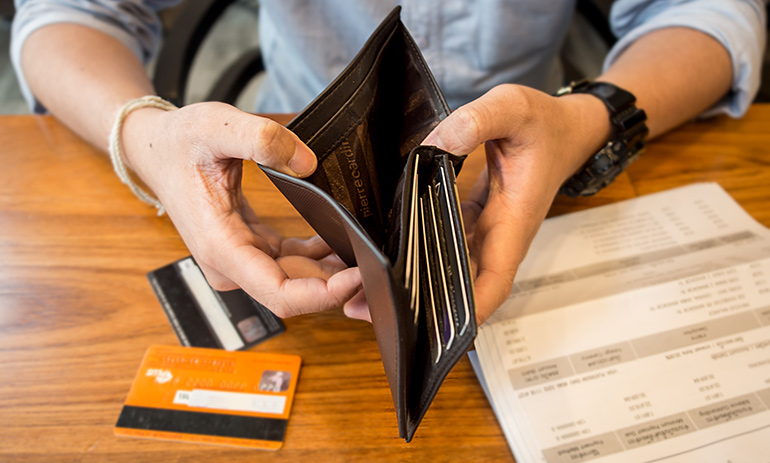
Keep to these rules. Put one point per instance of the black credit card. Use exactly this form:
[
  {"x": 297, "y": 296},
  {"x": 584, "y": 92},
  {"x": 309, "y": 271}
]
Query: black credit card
[{"x": 204, "y": 317}]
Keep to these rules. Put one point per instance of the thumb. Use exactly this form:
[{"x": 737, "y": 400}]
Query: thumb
[
  {"x": 262, "y": 140},
  {"x": 486, "y": 118}
]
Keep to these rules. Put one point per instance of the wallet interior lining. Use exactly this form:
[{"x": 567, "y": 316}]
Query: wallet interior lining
[{"x": 363, "y": 147}]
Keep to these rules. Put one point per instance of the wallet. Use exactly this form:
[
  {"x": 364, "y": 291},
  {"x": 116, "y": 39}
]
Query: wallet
[{"x": 389, "y": 205}]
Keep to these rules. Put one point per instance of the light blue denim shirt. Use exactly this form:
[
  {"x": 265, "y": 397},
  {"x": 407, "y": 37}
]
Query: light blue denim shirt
[{"x": 470, "y": 45}]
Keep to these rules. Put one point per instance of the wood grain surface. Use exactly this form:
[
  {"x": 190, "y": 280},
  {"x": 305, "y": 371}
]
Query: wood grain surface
[{"x": 77, "y": 312}]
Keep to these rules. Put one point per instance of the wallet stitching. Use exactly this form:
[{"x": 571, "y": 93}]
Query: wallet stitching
[
  {"x": 365, "y": 112},
  {"x": 334, "y": 87},
  {"x": 425, "y": 68},
  {"x": 353, "y": 127},
  {"x": 313, "y": 110}
]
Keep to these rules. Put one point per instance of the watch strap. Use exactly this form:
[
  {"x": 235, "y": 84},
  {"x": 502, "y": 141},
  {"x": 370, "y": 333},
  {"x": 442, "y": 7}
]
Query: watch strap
[{"x": 626, "y": 143}]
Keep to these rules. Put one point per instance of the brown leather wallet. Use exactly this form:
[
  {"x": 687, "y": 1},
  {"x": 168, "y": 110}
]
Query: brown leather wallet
[{"x": 389, "y": 205}]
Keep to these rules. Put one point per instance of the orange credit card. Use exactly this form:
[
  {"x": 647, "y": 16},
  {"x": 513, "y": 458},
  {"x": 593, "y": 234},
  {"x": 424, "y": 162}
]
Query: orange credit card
[{"x": 211, "y": 396}]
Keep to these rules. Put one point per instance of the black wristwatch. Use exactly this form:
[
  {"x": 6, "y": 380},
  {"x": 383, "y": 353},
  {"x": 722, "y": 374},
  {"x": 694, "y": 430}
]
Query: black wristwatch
[{"x": 626, "y": 143}]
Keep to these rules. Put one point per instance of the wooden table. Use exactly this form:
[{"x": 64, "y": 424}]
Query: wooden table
[{"x": 77, "y": 312}]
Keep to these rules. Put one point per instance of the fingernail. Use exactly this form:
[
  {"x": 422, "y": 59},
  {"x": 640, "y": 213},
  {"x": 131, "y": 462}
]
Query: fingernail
[{"x": 303, "y": 162}]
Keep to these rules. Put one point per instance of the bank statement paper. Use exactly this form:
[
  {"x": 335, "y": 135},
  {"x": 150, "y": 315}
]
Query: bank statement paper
[{"x": 637, "y": 331}]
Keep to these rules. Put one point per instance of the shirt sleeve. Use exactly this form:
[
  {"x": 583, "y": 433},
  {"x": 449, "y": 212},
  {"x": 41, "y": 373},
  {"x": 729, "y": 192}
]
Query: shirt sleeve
[
  {"x": 134, "y": 23},
  {"x": 739, "y": 25}
]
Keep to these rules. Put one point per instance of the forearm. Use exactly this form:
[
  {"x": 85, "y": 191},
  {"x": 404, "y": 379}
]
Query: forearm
[
  {"x": 83, "y": 77},
  {"x": 192, "y": 161},
  {"x": 675, "y": 74}
]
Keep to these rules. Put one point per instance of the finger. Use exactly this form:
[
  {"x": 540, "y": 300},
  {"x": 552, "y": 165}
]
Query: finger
[
  {"x": 333, "y": 263},
  {"x": 303, "y": 267},
  {"x": 314, "y": 247},
  {"x": 309, "y": 295},
  {"x": 288, "y": 297},
  {"x": 502, "y": 237},
  {"x": 267, "y": 233},
  {"x": 487, "y": 118},
  {"x": 357, "y": 308},
  {"x": 213, "y": 260},
  {"x": 474, "y": 205},
  {"x": 271, "y": 237},
  {"x": 470, "y": 212},
  {"x": 495, "y": 270},
  {"x": 480, "y": 190},
  {"x": 245, "y": 136},
  {"x": 264, "y": 279}
]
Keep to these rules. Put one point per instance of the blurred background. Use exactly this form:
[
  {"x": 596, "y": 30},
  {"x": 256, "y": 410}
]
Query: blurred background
[
  {"x": 231, "y": 35},
  {"x": 11, "y": 101},
  {"x": 235, "y": 33}
]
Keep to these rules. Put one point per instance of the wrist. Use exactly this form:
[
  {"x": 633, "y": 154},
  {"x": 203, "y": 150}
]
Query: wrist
[
  {"x": 590, "y": 127},
  {"x": 117, "y": 149},
  {"x": 139, "y": 140},
  {"x": 625, "y": 143}
]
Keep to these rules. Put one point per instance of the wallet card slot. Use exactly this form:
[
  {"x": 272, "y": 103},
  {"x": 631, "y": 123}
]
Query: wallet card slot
[
  {"x": 437, "y": 248},
  {"x": 412, "y": 272},
  {"x": 366, "y": 128},
  {"x": 430, "y": 311},
  {"x": 461, "y": 305},
  {"x": 444, "y": 253}
]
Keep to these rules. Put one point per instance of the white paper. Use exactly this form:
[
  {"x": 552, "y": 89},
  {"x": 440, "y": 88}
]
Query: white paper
[{"x": 637, "y": 331}]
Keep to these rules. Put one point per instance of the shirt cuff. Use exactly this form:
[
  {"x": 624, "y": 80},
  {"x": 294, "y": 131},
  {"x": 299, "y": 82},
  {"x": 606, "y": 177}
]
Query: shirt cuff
[{"x": 738, "y": 25}]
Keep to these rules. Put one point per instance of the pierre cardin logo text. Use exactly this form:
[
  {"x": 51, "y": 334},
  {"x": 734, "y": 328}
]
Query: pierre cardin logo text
[{"x": 355, "y": 172}]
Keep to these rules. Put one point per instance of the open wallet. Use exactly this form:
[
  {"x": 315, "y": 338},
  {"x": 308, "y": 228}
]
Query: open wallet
[{"x": 389, "y": 205}]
